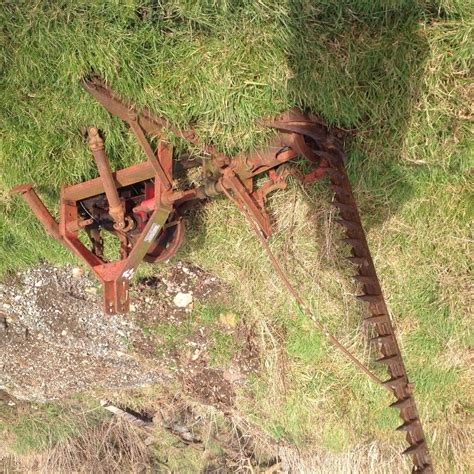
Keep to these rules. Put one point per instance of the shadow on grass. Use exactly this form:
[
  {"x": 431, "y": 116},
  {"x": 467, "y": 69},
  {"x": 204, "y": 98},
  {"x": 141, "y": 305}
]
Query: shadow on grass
[
  {"x": 360, "y": 65},
  {"x": 356, "y": 63}
]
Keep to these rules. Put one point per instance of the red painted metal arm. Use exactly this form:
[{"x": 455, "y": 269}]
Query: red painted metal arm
[{"x": 39, "y": 209}]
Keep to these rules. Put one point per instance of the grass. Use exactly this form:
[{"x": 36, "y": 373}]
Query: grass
[
  {"x": 210, "y": 312},
  {"x": 42, "y": 430},
  {"x": 214, "y": 315},
  {"x": 171, "y": 334},
  {"x": 38, "y": 427},
  {"x": 222, "y": 349},
  {"x": 107, "y": 445},
  {"x": 396, "y": 73}
]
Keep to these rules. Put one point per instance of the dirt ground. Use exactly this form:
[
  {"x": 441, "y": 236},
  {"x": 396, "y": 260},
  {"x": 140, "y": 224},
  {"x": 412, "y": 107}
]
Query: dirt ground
[{"x": 55, "y": 340}]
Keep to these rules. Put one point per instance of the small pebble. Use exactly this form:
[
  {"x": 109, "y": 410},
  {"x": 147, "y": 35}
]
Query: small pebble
[
  {"x": 183, "y": 300},
  {"x": 77, "y": 272}
]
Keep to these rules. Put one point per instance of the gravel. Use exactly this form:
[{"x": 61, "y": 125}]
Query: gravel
[{"x": 55, "y": 339}]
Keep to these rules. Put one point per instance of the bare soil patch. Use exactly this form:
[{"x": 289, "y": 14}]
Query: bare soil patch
[{"x": 55, "y": 340}]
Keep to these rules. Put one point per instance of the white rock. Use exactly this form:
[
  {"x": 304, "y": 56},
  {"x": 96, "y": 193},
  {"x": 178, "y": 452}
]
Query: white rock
[
  {"x": 182, "y": 300},
  {"x": 77, "y": 272},
  {"x": 63, "y": 333}
]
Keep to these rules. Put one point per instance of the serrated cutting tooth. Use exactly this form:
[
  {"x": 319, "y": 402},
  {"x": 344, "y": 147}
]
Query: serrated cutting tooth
[
  {"x": 416, "y": 448},
  {"x": 409, "y": 425},
  {"x": 340, "y": 191},
  {"x": 378, "y": 318},
  {"x": 344, "y": 207},
  {"x": 369, "y": 298},
  {"x": 349, "y": 225},
  {"x": 356, "y": 244},
  {"x": 396, "y": 382},
  {"x": 426, "y": 468},
  {"x": 335, "y": 176},
  {"x": 389, "y": 360},
  {"x": 382, "y": 339},
  {"x": 357, "y": 260},
  {"x": 334, "y": 172},
  {"x": 401, "y": 404}
]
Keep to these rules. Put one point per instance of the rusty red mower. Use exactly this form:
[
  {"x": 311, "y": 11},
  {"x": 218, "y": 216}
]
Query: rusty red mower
[{"x": 143, "y": 206}]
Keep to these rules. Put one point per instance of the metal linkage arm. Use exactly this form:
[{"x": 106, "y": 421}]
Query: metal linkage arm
[{"x": 39, "y": 209}]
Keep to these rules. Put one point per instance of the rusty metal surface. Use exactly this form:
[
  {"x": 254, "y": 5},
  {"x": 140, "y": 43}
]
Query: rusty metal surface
[
  {"x": 378, "y": 318},
  {"x": 116, "y": 209},
  {"x": 124, "y": 177},
  {"x": 36, "y": 205},
  {"x": 143, "y": 207},
  {"x": 163, "y": 178}
]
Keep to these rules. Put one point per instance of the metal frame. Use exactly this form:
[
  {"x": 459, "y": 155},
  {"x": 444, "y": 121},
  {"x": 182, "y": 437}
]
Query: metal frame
[
  {"x": 232, "y": 176},
  {"x": 298, "y": 134}
]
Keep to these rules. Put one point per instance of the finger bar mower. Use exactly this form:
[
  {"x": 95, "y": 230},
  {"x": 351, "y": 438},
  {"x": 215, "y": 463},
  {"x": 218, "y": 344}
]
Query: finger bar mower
[
  {"x": 143, "y": 206},
  {"x": 140, "y": 204}
]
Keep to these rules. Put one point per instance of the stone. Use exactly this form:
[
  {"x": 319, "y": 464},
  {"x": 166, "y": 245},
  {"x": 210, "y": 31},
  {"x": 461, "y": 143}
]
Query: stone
[
  {"x": 183, "y": 300},
  {"x": 77, "y": 272}
]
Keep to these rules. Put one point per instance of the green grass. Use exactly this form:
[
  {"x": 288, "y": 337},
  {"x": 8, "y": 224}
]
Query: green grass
[
  {"x": 41, "y": 430},
  {"x": 209, "y": 312},
  {"x": 172, "y": 335},
  {"x": 222, "y": 349},
  {"x": 42, "y": 425},
  {"x": 222, "y": 345},
  {"x": 397, "y": 73}
]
